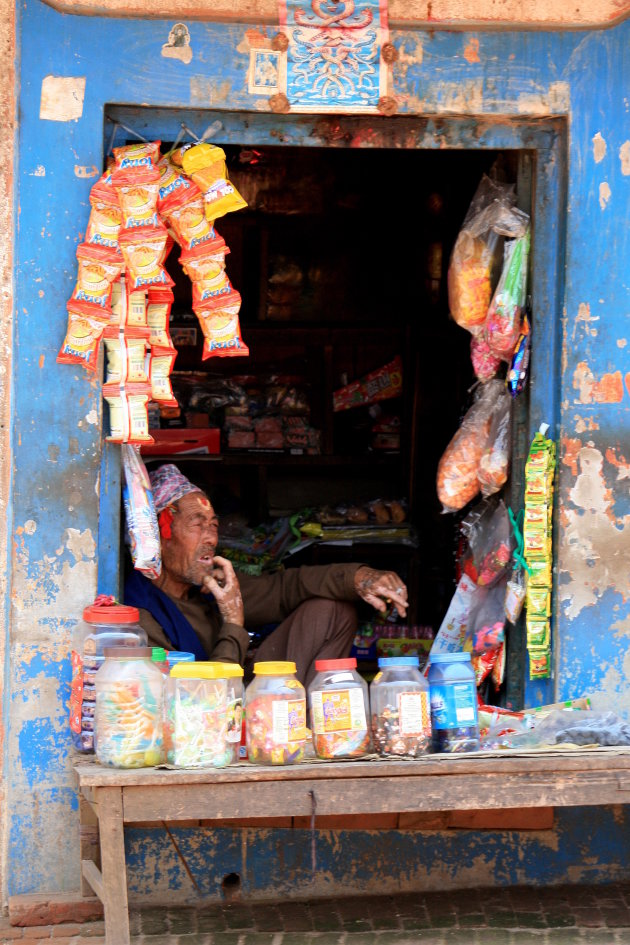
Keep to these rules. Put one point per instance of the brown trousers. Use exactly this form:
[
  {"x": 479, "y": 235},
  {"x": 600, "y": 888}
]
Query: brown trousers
[{"x": 318, "y": 629}]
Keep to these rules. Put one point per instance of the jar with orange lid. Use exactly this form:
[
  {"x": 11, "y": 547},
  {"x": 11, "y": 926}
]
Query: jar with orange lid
[
  {"x": 275, "y": 714},
  {"x": 338, "y": 700},
  {"x": 105, "y": 623}
]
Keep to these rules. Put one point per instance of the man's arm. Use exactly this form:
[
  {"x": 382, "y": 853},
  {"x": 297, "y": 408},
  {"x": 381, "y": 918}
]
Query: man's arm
[{"x": 268, "y": 598}]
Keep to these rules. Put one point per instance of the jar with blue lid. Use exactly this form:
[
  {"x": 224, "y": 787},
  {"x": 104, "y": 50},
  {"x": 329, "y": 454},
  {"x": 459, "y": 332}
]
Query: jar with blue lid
[
  {"x": 400, "y": 708},
  {"x": 453, "y": 693}
]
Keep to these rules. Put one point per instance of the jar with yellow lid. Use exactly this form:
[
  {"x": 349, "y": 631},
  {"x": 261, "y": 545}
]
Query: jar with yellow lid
[
  {"x": 275, "y": 714},
  {"x": 195, "y": 718},
  {"x": 233, "y": 675}
]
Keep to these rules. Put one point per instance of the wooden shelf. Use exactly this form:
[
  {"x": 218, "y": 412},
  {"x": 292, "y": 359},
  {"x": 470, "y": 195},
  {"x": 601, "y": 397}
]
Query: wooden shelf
[{"x": 273, "y": 458}]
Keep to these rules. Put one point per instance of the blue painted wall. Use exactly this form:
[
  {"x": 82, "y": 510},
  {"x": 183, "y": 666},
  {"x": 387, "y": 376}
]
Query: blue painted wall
[{"x": 580, "y": 384}]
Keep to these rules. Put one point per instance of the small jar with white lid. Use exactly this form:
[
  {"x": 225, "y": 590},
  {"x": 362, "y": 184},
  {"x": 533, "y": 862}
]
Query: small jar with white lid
[
  {"x": 338, "y": 700},
  {"x": 400, "y": 708}
]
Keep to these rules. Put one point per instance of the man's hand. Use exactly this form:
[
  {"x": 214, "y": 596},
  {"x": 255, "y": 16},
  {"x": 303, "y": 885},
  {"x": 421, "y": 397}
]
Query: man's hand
[
  {"x": 380, "y": 588},
  {"x": 223, "y": 585}
]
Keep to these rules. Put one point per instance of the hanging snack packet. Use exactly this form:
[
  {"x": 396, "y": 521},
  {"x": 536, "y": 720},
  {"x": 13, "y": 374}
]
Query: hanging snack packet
[
  {"x": 128, "y": 308},
  {"x": 184, "y": 212},
  {"x": 159, "y": 302},
  {"x": 495, "y": 460},
  {"x": 382, "y": 384},
  {"x": 137, "y": 191},
  {"x": 142, "y": 533},
  {"x": 128, "y": 419},
  {"x": 485, "y": 363},
  {"x": 503, "y": 323},
  {"x": 160, "y": 367},
  {"x": 205, "y": 266},
  {"x": 98, "y": 267},
  {"x": 171, "y": 179},
  {"x": 517, "y": 375},
  {"x": 105, "y": 216},
  {"x": 143, "y": 154},
  {"x": 218, "y": 318},
  {"x": 221, "y": 198},
  {"x": 86, "y": 323},
  {"x": 126, "y": 355},
  {"x": 205, "y": 163},
  {"x": 515, "y": 595},
  {"x": 458, "y": 469},
  {"x": 142, "y": 249}
]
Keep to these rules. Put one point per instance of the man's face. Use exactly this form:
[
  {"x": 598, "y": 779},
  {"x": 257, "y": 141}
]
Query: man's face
[{"x": 187, "y": 556}]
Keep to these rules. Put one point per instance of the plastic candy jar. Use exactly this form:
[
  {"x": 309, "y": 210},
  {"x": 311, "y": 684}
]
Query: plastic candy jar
[
  {"x": 195, "y": 718},
  {"x": 129, "y": 709},
  {"x": 275, "y": 714},
  {"x": 338, "y": 699},
  {"x": 233, "y": 674},
  {"x": 105, "y": 623},
  {"x": 453, "y": 703},
  {"x": 177, "y": 656},
  {"x": 400, "y": 708}
]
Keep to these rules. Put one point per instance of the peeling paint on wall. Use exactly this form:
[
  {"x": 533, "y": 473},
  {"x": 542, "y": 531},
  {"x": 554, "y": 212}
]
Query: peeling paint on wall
[
  {"x": 599, "y": 148},
  {"x": 604, "y": 194},
  {"x": 607, "y": 390},
  {"x": 624, "y": 157},
  {"x": 62, "y": 98}
]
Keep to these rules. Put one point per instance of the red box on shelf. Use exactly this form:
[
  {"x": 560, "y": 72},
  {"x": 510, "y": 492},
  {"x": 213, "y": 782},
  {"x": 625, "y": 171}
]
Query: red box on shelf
[{"x": 181, "y": 441}]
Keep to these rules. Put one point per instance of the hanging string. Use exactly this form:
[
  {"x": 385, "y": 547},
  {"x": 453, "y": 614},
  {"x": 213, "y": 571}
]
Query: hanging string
[{"x": 517, "y": 554}]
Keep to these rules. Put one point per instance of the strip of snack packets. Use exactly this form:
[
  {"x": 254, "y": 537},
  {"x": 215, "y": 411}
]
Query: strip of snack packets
[{"x": 537, "y": 541}]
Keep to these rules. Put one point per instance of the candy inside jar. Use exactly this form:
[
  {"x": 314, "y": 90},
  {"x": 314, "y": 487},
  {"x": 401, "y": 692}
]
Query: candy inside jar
[
  {"x": 400, "y": 708},
  {"x": 338, "y": 699},
  {"x": 195, "y": 720},
  {"x": 275, "y": 714},
  {"x": 128, "y": 725}
]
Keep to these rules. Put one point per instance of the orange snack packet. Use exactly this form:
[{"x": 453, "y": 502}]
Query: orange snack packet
[
  {"x": 218, "y": 318},
  {"x": 128, "y": 307},
  {"x": 159, "y": 304},
  {"x": 184, "y": 211},
  {"x": 105, "y": 216},
  {"x": 137, "y": 190},
  {"x": 98, "y": 267},
  {"x": 171, "y": 179},
  {"x": 126, "y": 355},
  {"x": 142, "y": 249},
  {"x": 160, "y": 367},
  {"x": 86, "y": 323},
  {"x": 143, "y": 154},
  {"x": 204, "y": 264},
  {"x": 128, "y": 418}
]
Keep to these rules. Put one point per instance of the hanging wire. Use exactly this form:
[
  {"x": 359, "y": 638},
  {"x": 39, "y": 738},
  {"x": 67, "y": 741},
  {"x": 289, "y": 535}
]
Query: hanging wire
[{"x": 112, "y": 137}]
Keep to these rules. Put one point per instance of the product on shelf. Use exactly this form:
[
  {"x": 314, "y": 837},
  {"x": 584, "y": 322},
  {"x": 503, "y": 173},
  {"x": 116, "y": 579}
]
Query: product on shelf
[
  {"x": 338, "y": 699},
  {"x": 400, "y": 708},
  {"x": 275, "y": 715}
]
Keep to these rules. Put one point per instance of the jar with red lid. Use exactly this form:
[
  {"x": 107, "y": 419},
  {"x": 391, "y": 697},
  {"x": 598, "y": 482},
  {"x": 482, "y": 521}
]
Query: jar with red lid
[
  {"x": 105, "y": 623},
  {"x": 338, "y": 701}
]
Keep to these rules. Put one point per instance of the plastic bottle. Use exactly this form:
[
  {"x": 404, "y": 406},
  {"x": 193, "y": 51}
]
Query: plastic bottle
[
  {"x": 177, "y": 656},
  {"x": 275, "y": 714},
  {"x": 453, "y": 703},
  {"x": 105, "y": 623},
  {"x": 338, "y": 699},
  {"x": 129, "y": 709},
  {"x": 400, "y": 708},
  {"x": 159, "y": 657},
  {"x": 195, "y": 716}
]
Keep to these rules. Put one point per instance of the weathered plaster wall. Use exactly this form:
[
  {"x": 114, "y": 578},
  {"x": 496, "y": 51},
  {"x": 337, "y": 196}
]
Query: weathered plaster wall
[
  {"x": 70, "y": 67},
  {"x": 7, "y": 122}
]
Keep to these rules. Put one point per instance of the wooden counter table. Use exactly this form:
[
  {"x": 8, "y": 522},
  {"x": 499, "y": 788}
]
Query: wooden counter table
[{"x": 436, "y": 783}]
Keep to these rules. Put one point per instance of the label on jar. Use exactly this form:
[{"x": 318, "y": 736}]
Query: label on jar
[
  {"x": 234, "y": 720},
  {"x": 288, "y": 720},
  {"x": 340, "y": 710},
  {"x": 454, "y": 706},
  {"x": 414, "y": 713}
]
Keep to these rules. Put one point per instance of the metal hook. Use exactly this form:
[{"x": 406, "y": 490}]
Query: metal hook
[
  {"x": 130, "y": 131},
  {"x": 112, "y": 137}
]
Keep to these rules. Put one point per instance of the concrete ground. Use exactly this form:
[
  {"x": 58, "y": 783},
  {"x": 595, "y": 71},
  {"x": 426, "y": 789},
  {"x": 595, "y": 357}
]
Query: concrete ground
[{"x": 566, "y": 915}]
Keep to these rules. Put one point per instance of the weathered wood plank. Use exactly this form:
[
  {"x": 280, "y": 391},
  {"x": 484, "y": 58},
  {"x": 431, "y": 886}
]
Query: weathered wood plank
[
  {"x": 367, "y": 796},
  {"x": 89, "y": 841},
  {"x": 114, "y": 870},
  {"x": 93, "y": 876}
]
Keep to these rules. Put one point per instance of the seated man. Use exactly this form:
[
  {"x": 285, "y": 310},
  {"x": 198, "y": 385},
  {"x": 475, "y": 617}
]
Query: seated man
[{"x": 200, "y": 605}]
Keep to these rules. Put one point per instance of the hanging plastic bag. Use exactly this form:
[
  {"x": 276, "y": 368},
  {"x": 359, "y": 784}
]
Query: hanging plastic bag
[
  {"x": 487, "y": 624},
  {"x": 494, "y": 464},
  {"x": 458, "y": 469},
  {"x": 476, "y": 256},
  {"x": 515, "y": 591},
  {"x": 455, "y": 627},
  {"x": 503, "y": 324},
  {"x": 488, "y": 554},
  {"x": 143, "y": 534},
  {"x": 517, "y": 375}
]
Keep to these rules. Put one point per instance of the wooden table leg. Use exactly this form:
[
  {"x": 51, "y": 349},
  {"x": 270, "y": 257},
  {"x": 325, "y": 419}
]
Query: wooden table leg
[{"x": 113, "y": 867}]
